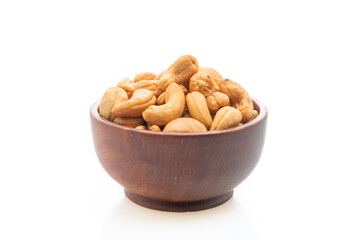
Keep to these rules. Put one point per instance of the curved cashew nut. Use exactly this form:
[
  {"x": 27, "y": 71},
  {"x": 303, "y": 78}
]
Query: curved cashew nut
[
  {"x": 172, "y": 109},
  {"x": 179, "y": 72},
  {"x": 231, "y": 82},
  {"x": 130, "y": 122},
  {"x": 112, "y": 96},
  {"x": 216, "y": 101},
  {"x": 161, "y": 99},
  {"x": 151, "y": 85},
  {"x": 185, "y": 125},
  {"x": 226, "y": 117},
  {"x": 198, "y": 109},
  {"x": 239, "y": 98},
  {"x": 206, "y": 81},
  {"x": 136, "y": 105},
  {"x": 144, "y": 76}
]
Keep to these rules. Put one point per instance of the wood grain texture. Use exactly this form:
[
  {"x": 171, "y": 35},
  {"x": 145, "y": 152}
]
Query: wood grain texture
[
  {"x": 178, "y": 206},
  {"x": 168, "y": 171}
]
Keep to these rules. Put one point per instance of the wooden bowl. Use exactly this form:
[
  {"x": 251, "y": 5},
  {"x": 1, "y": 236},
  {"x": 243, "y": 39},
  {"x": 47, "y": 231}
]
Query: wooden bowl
[{"x": 178, "y": 171}]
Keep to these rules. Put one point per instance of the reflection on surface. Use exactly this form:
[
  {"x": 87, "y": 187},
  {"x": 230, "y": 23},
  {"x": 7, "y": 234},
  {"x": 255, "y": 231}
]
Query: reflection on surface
[{"x": 227, "y": 221}]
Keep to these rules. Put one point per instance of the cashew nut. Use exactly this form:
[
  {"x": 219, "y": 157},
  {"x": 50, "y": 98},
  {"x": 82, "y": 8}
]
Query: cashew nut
[
  {"x": 179, "y": 72},
  {"x": 153, "y": 128},
  {"x": 112, "y": 96},
  {"x": 239, "y": 98},
  {"x": 161, "y": 99},
  {"x": 151, "y": 85},
  {"x": 185, "y": 125},
  {"x": 136, "y": 105},
  {"x": 206, "y": 81},
  {"x": 255, "y": 114},
  {"x": 172, "y": 109},
  {"x": 216, "y": 101},
  {"x": 141, "y": 127},
  {"x": 231, "y": 82},
  {"x": 198, "y": 109},
  {"x": 226, "y": 117},
  {"x": 144, "y": 76},
  {"x": 130, "y": 122}
]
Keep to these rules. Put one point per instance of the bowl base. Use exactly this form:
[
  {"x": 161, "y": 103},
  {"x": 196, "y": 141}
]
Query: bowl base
[{"x": 178, "y": 206}]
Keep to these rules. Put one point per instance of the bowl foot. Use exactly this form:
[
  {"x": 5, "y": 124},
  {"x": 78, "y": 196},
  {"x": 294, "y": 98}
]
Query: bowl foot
[{"x": 178, "y": 206}]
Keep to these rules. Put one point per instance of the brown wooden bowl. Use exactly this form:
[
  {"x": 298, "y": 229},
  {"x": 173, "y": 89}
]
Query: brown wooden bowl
[{"x": 178, "y": 171}]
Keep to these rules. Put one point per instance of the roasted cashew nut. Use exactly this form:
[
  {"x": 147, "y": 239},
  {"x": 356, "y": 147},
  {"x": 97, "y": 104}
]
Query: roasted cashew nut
[
  {"x": 216, "y": 101},
  {"x": 161, "y": 99},
  {"x": 198, "y": 109},
  {"x": 111, "y": 97},
  {"x": 206, "y": 81},
  {"x": 185, "y": 125},
  {"x": 153, "y": 128},
  {"x": 141, "y": 127},
  {"x": 179, "y": 72},
  {"x": 226, "y": 117},
  {"x": 136, "y": 105},
  {"x": 129, "y": 122},
  {"x": 255, "y": 114},
  {"x": 172, "y": 109},
  {"x": 239, "y": 98},
  {"x": 144, "y": 76},
  {"x": 151, "y": 85}
]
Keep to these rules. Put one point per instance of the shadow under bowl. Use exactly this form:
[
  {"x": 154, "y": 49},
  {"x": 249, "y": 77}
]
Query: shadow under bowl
[{"x": 178, "y": 171}]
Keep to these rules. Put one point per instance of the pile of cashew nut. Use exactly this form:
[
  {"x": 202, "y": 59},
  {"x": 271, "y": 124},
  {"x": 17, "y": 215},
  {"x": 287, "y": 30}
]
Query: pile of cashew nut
[{"x": 183, "y": 98}]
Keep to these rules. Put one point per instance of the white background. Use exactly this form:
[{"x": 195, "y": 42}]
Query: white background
[{"x": 300, "y": 58}]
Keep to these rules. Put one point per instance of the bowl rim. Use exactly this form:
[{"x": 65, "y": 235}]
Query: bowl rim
[{"x": 263, "y": 112}]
